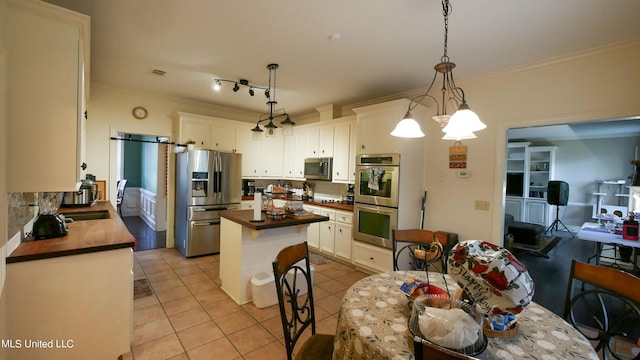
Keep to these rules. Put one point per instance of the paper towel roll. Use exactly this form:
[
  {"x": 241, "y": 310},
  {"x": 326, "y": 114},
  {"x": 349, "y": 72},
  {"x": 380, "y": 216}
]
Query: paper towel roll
[{"x": 257, "y": 206}]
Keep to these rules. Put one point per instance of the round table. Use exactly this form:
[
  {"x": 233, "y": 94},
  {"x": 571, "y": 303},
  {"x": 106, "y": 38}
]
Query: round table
[{"x": 374, "y": 317}]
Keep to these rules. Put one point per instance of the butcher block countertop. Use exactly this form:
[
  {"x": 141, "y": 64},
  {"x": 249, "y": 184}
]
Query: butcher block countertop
[
  {"x": 243, "y": 217},
  {"x": 83, "y": 237}
]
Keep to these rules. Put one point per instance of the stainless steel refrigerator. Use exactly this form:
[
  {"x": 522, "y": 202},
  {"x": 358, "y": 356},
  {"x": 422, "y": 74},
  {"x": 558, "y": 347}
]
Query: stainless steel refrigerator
[{"x": 207, "y": 182}]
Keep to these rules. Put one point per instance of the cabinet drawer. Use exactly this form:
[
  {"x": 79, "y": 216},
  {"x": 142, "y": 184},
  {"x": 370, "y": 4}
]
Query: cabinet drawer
[
  {"x": 372, "y": 257},
  {"x": 330, "y": 213},
  {"x": 344, "y": 217}
]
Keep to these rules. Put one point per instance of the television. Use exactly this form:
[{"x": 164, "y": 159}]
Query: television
[{"x": 515, "y": 184}]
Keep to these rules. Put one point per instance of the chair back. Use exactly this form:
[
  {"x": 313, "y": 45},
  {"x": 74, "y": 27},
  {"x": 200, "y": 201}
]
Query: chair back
[
  {"x": 425, "y": 350},
  {"x": 605, "y": 308},
  {"x": 122, "y": 184},
  {"x": 292, "y": 274},
  {"x": 416, "y": 249}
]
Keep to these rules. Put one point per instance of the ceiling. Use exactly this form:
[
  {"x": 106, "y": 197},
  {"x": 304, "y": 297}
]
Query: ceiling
[{"x": 332, "y": 51}]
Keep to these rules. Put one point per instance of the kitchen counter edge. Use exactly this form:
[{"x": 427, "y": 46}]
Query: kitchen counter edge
[
  {"x": 243, "y": 217},
  {"x": 84, "y": 237}
]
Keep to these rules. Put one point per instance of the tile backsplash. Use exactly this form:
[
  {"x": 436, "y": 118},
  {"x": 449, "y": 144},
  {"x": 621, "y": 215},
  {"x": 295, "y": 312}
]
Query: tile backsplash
[{"x": 22, "y": 207}]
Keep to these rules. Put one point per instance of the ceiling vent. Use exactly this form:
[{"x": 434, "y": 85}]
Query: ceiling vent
[{"x": 158, "y": 72}]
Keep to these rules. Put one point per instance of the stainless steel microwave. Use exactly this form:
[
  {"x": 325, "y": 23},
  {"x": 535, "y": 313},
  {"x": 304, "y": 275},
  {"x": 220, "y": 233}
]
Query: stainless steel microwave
[{"x": 318, "y": 168}]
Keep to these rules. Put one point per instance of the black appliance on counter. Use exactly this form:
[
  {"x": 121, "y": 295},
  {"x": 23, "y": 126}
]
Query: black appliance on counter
[
  {"x": 248, "y": 187},
  {"x": 48, "y": 224}
]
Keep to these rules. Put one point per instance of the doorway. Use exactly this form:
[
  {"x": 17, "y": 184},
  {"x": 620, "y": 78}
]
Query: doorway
[{"x": 143, "y": 162}]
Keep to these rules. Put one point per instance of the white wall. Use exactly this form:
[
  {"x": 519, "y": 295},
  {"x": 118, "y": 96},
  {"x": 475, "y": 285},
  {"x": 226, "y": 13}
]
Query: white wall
[{"x": 3, "y": 166}]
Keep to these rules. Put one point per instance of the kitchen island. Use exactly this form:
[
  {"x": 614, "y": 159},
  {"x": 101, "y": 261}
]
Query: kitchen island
[
  {"x": 75, "y": 292},
  {"x": 248, "y": 248}
]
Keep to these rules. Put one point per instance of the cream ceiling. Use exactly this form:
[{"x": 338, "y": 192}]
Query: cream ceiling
[{"x": 332, "y": 51}]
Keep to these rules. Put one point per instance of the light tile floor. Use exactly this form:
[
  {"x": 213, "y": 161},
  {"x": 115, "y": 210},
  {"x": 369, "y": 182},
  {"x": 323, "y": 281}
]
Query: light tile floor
[{"x": 190, "y": 317}]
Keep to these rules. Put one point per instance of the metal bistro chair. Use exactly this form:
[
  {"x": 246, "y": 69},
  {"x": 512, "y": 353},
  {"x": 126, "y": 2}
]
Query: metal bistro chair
[
  {"x": 605, "y": 308},
  {"x": 122, "y": 184},
  {"x": 292, "y": 273},
  {"x": 418, "y": 249}
]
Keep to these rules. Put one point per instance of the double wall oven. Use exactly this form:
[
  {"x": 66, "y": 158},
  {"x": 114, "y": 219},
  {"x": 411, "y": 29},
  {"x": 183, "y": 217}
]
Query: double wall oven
[{"x": 376, "y": 198}]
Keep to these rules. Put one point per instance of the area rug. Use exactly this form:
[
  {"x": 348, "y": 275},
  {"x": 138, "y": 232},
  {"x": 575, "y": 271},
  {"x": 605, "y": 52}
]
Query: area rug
[
  {"x": 541, "y": 248},
  {"x": 317, "y": 259},
  {"x": 141, "y": 288}
]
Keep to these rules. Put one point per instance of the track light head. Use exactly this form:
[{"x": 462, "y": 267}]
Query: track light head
[
  {"x": 251, "y": 91},
  {"x": 266, "y": 93},
  {"x": 236, "y": 88}
]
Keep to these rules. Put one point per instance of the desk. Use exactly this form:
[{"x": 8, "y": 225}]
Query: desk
[
  {"x": 594, "y": 232},
  {"x": 374, "y": 317}
]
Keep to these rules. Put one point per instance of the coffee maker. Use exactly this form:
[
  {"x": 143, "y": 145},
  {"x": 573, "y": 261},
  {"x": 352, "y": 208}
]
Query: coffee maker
[
  {"x": 248, "y": 187},
  {"x": 49, "y": 224}
]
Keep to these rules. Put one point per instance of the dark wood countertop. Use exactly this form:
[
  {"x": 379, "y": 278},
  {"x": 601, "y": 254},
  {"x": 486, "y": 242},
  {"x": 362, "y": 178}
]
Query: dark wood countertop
[
  {"x": 243, "y": 217},
  {"x": 84, "y": 237},
  {"x": 336, "y": 206}
]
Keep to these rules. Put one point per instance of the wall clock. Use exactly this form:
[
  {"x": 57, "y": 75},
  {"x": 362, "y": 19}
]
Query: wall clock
[{"x": 139, "y": 112}]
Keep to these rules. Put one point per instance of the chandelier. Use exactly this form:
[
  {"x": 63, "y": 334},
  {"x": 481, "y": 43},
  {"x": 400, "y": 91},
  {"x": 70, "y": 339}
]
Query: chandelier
[
  {"x": 270, "y": 128},
  {"x": 463, "y": 122}
]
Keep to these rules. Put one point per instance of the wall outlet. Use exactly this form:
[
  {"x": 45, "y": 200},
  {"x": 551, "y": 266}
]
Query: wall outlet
[
  {"x": 463, "y": 173},
  {"x": 481, "y": 205}
]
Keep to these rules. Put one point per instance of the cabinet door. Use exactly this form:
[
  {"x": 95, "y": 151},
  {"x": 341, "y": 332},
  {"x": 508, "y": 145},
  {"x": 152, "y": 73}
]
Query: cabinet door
[
  {"x": 343, "y": 241},
  {"x": 223, "y": 136},
  {"x": 197, "y": 131},
  {"x": 299, "y": 155},
  {"x": 536, "y": 212},
  {"x": 327, "y": 236},
  {"x": 250, "y": 150},
  {"x": 43, "y": 46},
  {"x": 341, "y": 153},
  {"x": 311, "y": 147},
  {"x": 313, "y": 231},
  {"x": 325, "y": 141},
  {"x": 513, "y": 207},
  {"x": 271, "y": 156}
]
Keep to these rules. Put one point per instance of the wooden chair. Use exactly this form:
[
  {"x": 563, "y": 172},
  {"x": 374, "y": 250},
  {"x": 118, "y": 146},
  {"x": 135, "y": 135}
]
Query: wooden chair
[
  {"x": 605, "y": 308},
  {"x": 407, "y": 242},
  {"x": 425, "y": 350},
  {"x": 122, "y": 184},
  {"x": 292, "y": 273}
]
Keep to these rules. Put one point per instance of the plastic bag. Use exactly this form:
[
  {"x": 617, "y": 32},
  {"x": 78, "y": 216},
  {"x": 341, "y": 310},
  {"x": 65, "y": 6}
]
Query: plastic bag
[{"x": 450, "y": 328}]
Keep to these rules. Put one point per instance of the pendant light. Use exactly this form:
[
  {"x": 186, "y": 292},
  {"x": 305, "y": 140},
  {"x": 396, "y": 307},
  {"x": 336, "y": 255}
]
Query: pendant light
[
  {"x": 463, "y": 122},
  {"x": 270, "y": 128}
]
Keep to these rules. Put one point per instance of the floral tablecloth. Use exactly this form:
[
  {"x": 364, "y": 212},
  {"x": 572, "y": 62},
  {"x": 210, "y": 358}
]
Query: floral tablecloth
[{"x": 374, "y": 316}]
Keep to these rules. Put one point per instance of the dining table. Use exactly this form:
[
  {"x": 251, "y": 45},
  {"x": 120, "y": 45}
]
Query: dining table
[{"x": 374, "y": 317}]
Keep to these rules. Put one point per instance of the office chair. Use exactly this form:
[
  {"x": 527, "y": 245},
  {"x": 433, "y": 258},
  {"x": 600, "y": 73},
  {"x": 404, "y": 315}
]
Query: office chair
[
  {"x": 292, "y": 273},
  {"x": 558, "y": 195},
  {"x": 605, "y": 309}
]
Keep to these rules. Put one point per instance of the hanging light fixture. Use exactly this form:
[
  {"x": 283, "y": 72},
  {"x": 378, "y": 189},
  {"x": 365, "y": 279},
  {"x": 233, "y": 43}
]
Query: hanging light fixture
[
  {"x": 270, "y": 128},
  {"x": 463, "y": 122}
]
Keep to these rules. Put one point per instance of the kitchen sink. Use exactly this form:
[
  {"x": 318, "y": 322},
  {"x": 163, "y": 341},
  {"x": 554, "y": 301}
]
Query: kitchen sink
[{"x": 87, "y": 215}]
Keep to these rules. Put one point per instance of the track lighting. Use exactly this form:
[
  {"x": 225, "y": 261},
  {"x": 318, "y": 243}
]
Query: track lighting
[
  {"x": 217, "y": 85},
  {"x": 251, "y": 91},
  {"x": 236, "y": 88}
]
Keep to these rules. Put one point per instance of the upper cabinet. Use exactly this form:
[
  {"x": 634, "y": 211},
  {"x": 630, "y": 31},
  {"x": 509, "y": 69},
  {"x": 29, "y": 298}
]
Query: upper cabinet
[
  {"x": 263, "y": 158},
  {"x": 294, "y": 154},
  {"x": 375, "y": 123},
  {"x": 207, "y": 132},
  {"x": 319, "y": 142},
  {"x": 48, "y": 60},
  {"x": 341, "y": 151}
]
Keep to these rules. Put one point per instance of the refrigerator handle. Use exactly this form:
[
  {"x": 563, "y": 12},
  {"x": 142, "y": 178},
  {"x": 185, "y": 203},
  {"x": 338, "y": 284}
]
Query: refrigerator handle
[{"x": 219, "y": 173}]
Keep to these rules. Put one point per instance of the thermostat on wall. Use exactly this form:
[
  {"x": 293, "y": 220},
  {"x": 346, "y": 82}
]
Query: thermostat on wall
[{"x": 463, "y": 173}]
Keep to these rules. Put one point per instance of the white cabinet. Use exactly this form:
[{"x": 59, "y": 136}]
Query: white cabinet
[
  {"x": 294, "y": 155},
  {"x": 343, "y": 235},
  {"x": 536, "y": 211},
  {"x": 513, "y": 207},
  {"x": 260, "y": 158},
  {"x": 319, "y": 142},
  {"x": 327, "y": 232},
  {"x": 313, "y": 231},
  {"x": 47, "y": 56},
  {"x": 207, "y": 132},
  {"x": 375, "y": 123},
  {"x": 342, "y": 134},
  {"x": 373, "y": 258},
  {"x": 529, "y": 170},
  {"x": 246, "y": 205}
]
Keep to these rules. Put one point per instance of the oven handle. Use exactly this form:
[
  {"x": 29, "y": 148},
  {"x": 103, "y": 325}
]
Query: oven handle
[
  {"x": 207, "y": 223},
  {"x": 374, "y": 208}
]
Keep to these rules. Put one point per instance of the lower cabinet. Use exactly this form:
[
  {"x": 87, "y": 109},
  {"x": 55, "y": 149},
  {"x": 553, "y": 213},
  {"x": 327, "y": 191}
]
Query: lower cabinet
[
  {"x": 373, "y": 258},
  {"x": 328, "y": 232},
  {"x": 536, "y": 212},
  {"x": 343, "y": 235},
  {"x": 80, "y": 304},
  {"x": 313, "y": 231}
]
